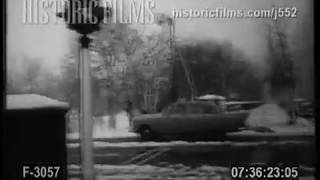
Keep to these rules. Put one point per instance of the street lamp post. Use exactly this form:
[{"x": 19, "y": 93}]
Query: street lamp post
[
  {"x": 84, "y": 26},
  {"x": 85, "y": 110}
]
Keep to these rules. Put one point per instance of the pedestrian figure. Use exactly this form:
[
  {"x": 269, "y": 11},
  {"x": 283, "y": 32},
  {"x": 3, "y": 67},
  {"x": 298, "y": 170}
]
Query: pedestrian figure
[{"x": 128, "y": 109}]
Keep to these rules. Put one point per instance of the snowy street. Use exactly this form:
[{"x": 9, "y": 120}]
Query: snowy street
[{"x": 119, "y": 154}]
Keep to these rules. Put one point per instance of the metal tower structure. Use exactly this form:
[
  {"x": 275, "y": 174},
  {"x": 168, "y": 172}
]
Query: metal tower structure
[{"x": 176, "y": 55}]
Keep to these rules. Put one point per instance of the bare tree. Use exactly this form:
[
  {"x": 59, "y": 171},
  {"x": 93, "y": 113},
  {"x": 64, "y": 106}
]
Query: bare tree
[
  {"x": 22, "y": 75},
  {"x": 32, "y": 68}
]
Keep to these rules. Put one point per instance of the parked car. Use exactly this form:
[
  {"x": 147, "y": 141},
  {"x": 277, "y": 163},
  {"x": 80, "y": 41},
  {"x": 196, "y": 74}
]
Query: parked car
[{"x": 195, "y": 117}]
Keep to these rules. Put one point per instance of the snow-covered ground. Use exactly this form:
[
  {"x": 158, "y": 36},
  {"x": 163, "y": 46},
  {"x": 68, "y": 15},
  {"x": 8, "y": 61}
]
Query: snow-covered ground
[
  {"x": 279, "y": 131},
  {"x": 146, "y": 172},
  {"x": 271, "y": 115},
  {"x": 276, "y": 119},
  {"x": 121, "y": 127},
  {"x": 169, "y": 171},
  {"x": 101, "y": 128},
  {"x": 181, "y": 144}
]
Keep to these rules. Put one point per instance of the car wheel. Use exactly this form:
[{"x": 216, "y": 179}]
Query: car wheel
[{"x": 146, "y": 133}]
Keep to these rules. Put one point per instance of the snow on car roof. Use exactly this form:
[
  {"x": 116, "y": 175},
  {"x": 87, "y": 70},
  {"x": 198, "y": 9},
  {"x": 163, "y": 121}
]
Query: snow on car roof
[
  {"x": 196, "y": 102},
  {"x": 211, "y": 97},
  {"x": 30, "y": 101}
]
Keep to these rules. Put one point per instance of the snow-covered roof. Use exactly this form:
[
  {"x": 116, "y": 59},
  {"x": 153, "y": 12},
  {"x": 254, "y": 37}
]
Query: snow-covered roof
[
  {"x": 211, "y": 97},
  {"x": 30, "y": 101}
]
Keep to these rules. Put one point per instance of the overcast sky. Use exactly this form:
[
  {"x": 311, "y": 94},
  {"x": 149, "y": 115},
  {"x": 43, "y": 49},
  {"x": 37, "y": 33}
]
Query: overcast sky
[
  {"x": 246, "y": 34},
  {"x": 51, "y": 41}
]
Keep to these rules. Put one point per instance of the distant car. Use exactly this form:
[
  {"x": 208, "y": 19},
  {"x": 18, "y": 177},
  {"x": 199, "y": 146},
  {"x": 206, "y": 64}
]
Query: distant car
[{"x": 195, "y": 117}]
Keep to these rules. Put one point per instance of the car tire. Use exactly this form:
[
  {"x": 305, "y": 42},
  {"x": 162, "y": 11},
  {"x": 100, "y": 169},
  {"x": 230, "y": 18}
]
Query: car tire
[{"x": 146, "y": 133}]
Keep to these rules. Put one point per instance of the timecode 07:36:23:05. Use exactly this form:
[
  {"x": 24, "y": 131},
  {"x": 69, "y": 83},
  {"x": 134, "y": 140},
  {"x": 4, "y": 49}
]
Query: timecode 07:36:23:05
[{"x": 265, "y": 172}]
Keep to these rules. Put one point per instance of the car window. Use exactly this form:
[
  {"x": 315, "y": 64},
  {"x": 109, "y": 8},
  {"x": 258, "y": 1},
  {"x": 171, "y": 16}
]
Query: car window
[
  {"x": 195, "y": 109},
  {"x": 201, "y": 109},
  {"x": 235, "y": 107},
  {"x": 178, "y": 109}
]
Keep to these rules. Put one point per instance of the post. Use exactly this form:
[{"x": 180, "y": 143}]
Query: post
[{"x": 85, "y": 111}]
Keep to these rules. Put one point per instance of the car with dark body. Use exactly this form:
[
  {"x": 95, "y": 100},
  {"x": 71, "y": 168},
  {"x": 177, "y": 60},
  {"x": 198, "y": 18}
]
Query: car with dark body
[{"x": 186, "y": 118}]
